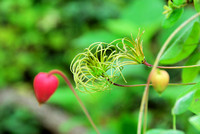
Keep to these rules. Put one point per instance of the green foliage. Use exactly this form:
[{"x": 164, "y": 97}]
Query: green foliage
[
  {"x": 172, "y": 18},
  {"x": 17, "y": 120},
  {"x": 162, "y": 131},
  {"x": 39, "y": 35},
  {"x": 195, "y": 121},
  {"x": 189, "y": 74},
  {"x": 195, "y": 105},
  {"x": 179, "y": 2},
  {"x": 173, "y": 11},
  {"x": 183, "y": 46},
  {"x": 183, "y": 103},
  {"x": 197, "y": 5},
  {"x": 188, "y": 101}
]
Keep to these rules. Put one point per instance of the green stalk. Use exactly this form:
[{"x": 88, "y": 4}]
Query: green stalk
[{"x": 174, "y": 122}]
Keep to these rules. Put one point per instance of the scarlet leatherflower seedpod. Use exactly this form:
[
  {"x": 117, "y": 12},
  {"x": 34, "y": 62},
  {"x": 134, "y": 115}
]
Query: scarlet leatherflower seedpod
[
  {"x": 44, "y": 86},
  {"x": 160, "y": 80}
]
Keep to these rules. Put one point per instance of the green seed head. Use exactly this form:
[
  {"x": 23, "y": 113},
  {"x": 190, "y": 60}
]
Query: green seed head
[{"x": 102, "y": 63}]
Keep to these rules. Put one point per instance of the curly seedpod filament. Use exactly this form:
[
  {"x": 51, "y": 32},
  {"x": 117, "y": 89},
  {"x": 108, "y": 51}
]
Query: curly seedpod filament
[{"x": 160, "y": 80}]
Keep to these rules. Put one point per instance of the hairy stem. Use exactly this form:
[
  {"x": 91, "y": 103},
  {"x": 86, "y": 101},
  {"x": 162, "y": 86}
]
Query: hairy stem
[
  {"x": 170, "y": 67},
  {"x": 145, "y": 95},
  {"x": 77, "y": 97}
]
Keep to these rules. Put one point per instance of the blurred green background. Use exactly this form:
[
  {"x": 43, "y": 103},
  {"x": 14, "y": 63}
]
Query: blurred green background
[{"x": 41, "y": 35}]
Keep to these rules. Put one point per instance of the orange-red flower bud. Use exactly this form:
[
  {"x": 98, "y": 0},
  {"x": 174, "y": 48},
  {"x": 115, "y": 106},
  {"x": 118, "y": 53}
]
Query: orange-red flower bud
[{"x": 44, "y": 86}]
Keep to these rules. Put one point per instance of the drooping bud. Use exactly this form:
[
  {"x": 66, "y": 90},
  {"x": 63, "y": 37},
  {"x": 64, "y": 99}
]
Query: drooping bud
[
  {"x": 160, "y": 80},
  {"x": 44, "y": 86}
]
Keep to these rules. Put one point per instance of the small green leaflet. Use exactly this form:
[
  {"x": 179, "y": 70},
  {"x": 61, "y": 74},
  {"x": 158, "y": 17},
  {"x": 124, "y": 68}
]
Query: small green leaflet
[
  {"x": 195, "y": 105},
  {"x": 195, "y": 121},
  {"x": 188, "y": 74},
  {"x": 163, "y": 131},
  {"x": 197, "y": 5},
  {"x": 183, "y": 46},
  {"x": 185, "y": 102},
  {"x": 179, "y": 2},
  {"x": 173, "y": 18}
]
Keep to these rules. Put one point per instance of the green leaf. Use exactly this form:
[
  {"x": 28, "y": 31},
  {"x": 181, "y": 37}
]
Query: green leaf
[
  {"x": 197, "y": 5},
  {"x": 174, "y": 16},
  {"x": 183, "y": 46},
  {"x": 183, "y": 103},
  {"x": 195, "y": 121},
  {"x": 93, "y": 36},
  {"x": 162, "y": 131},
  {"x": 122, "y": 27},
  {"x": 188, "y": 74},
  {"x": 195, "y": 105},
  {"x": 179, "y": 2},
  {"x": 185, "y": 100}
]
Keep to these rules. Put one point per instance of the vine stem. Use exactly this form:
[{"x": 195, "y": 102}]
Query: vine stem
[
  {"x": 174, "y": 122},
  {"x": 142, "y": 85},
  {"x": 77, "y": 97},
  {"x": 170, "y": 67},
  {"x": 144, "y": 102}
]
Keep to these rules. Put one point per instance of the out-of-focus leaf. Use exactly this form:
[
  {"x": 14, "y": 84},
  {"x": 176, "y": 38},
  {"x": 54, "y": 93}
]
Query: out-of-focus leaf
[
  {"x": 128, "y": 125},
  {"x": 188, "y": 74},
  {"x": 195, "y": 105},
  {"x": 70, "y": 124},
  {"x": 26, "y": 19},
  {"x": 195, "y": 121},
  {"x": 149, "y": 15},
  {"x": 179, "y": 2},
  {"x": 7, "y": 36},
  {"x": 185, "y": 100},
  {"x": 183, "y": 46},
  {"x": 197, "y": 5},
  {"x": 93, "y": 36},
  {"x": 162, "y": 131},
  {"x": 183, "y": 103},
  {"x": 63, "y": 97},
  {"x": 57, "y": 40},
  {"x": 174, "y": 16},
  {"x": 122, "y": 27}
]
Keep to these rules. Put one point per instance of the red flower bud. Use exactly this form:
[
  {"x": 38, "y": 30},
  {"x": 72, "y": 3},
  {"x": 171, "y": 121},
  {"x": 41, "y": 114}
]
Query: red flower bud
[{"x": 44, "y": 86}]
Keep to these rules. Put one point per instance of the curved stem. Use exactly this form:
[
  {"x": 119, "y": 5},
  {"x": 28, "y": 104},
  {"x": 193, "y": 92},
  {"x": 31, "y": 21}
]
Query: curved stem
[
  {"x": 145, "y": 95},
  {"x": 76, "y": 95},
  {"x": 142, "y": 85},
  {"x": 170, "y": 67},
  {"x": 145, "y": 113}
]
